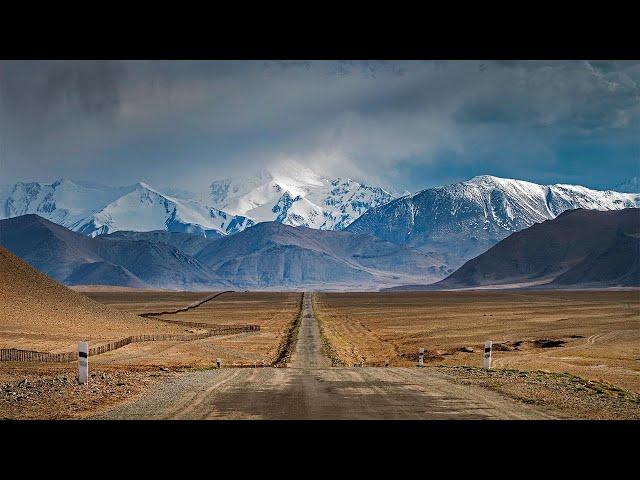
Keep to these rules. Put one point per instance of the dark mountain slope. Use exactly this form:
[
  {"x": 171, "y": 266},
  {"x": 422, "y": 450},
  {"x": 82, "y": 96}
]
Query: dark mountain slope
[
  {"x": 51, "y": 248},
  {"x": 270, "y": 254},
  {"x": 618, "y": 265},
  {"x": 60, "y": 253},
  {"x": 104, "y": 273},
  {"x": 579, "y": 247},
  {"x": 186, "y": 242},
  {"x": 463, "y": 220}
]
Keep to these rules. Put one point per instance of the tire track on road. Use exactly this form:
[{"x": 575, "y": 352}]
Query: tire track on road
[
  {"x": 311, "y": 389},
  {"x": 201, "y": 396}
]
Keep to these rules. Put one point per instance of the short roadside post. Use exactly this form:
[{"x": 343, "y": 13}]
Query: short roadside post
[
  {"x": 218, "y": 363},
  {"x": 421, "y": 357},
  {"x": 83, "y": 362},
  {"x": 486, "y": 363}
]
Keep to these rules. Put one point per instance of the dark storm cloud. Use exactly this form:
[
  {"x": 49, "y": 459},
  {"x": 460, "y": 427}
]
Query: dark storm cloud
[
  {"x": 411, "y": 124},
  {"x": 35, "y": 96},
  {"x": 45, "y": 107},
  {"x": 28, "y": 88}
]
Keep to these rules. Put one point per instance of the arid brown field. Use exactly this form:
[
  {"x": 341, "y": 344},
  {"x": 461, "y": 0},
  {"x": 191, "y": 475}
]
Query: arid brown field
[
  {"x": 56, "y": 320},
  {"x": 593, "y": 334},
  {"x": 273, "y": 311},
  {"x": 138, "y": 302}
]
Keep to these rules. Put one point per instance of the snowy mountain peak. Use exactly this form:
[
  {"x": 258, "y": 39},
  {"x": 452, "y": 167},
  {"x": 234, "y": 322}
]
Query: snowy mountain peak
[
  {"x": 145, "y": 187},
  {"x": 293, "y": 194},
  {"x": 64, "y": 201},
  {"x": 479, "y": 179},
  {"x": 146, "y": 209},
  {"x": 464, "y": 219},
  {"x": 491, "y": 181},
  {"x": 96, "y": 209}
]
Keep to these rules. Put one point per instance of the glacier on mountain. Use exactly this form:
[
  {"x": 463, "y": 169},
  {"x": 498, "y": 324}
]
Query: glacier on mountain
[
  {"x": 295, "y": 195},
  {"x": 456, "y": 221},
  {"x": 64, "y": 201},
  {"x": 288, "y": 194},
  {"x": 96, "y": 209},
  {"x": 145, "y": 209}
]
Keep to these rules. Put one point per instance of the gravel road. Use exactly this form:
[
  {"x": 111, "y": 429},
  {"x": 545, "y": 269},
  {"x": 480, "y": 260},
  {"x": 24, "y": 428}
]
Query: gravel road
[{"x": 311, "y": 389}]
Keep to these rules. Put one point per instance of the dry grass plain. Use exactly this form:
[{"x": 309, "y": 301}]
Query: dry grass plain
[
  {"x": 143, "y": 301},
  {"x": 55, "y": 320},
  {"x": 273, "y": 311},
  {"x": 592, "y": 334}
]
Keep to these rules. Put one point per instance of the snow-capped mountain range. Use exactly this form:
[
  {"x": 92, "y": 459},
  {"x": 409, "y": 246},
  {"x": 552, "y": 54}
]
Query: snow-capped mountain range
[
  {"x": 295, "y": 195},
  {"x": 145, "y": 209},
  {"x": 95, "y": 209},
  {"x": 451, "y": 224},
  {"x": 462, "y": 220},
  {"x": 459, "y": 220},
  {"x": 64, "y": 201},
  {"x": 289, "y": 194}
]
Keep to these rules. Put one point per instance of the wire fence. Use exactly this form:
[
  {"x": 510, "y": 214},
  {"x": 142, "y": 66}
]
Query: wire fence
[{"x": 17, "y": 355}]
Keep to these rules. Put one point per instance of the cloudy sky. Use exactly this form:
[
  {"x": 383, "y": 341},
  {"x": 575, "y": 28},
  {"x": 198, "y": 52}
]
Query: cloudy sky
[{"x": 404, "y": 125}]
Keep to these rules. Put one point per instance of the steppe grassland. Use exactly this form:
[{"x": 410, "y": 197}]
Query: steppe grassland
[
  {"x": 273, "y": 311},
  {"x": 593, "y": 334}
]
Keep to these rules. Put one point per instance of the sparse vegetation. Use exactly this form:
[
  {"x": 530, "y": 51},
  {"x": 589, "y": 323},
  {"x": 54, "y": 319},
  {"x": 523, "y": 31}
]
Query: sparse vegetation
[
  {"x": 287, "y": 346},
  {"x": 570, "y": 395},
  {"x": 593, "y": 334},
  {"x": 327, "y": 347}
]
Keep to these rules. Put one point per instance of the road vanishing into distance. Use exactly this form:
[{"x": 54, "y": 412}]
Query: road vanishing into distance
[{"x": 310, "y": 388}]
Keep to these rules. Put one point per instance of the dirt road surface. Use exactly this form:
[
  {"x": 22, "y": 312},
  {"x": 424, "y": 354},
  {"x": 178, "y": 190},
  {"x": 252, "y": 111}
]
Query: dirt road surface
[{"x": 311, "y": 389}]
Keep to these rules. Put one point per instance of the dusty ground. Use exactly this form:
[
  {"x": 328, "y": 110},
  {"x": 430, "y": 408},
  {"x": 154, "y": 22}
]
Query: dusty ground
[
  {"x": 39, "y": 314},
  {"x": 572, "y": 397},
  {"x": 593, "y": 334},
  {"x": 310, "y": 389},
  {"x": 273, "y": 311},
  {"x": 50, "y": 391},
  {"x": 143, "y": 301},
  {"x": 121, "y": 376},
  {"x": 173, "y": 379}
]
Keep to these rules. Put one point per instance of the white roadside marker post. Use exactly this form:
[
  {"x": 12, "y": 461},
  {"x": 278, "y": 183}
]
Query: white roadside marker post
[
  {"x": 83, "y": 362},
  {"x": 218, "y": 363},
  {"x": 421, "y": 357},
  {"x": 486, "y": 363}
]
